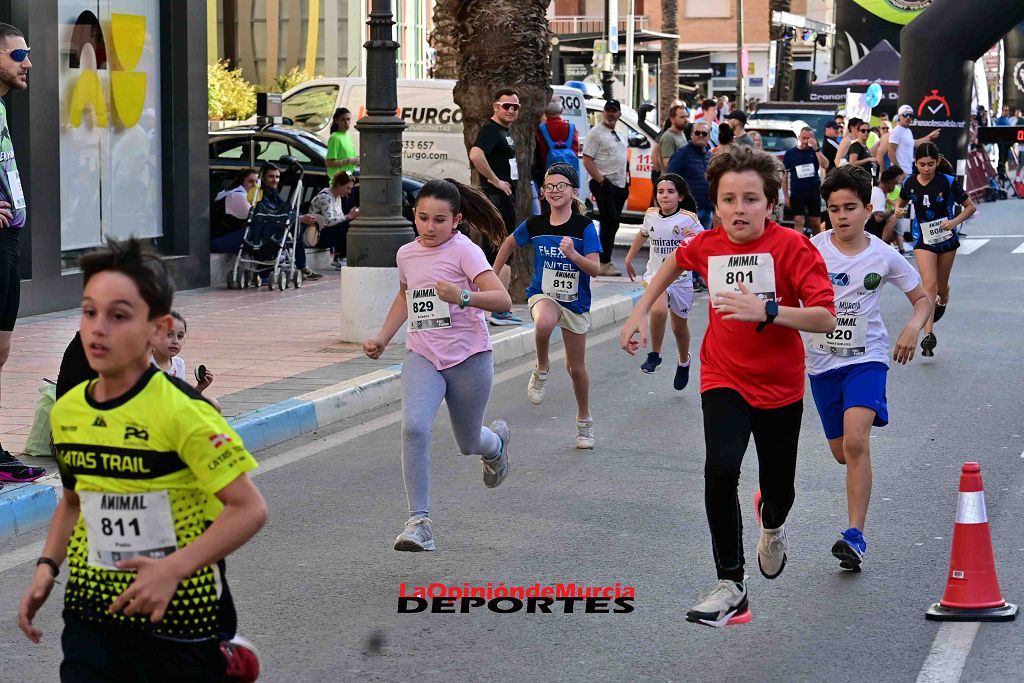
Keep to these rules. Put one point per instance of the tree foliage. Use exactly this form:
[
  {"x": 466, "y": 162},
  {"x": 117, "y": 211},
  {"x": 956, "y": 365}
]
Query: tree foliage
[{"x": 231, "y": 97}]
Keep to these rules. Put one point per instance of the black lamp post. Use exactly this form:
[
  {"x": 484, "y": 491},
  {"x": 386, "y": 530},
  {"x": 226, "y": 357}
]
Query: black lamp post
[{"x": 380, "y": 229}]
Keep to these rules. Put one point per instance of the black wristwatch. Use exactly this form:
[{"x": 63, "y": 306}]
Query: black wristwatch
[
  {"x": 49, "y": 563},
  {"x": 771, "y": 309}
]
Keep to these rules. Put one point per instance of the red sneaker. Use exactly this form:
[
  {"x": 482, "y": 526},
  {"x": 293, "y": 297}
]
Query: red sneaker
[
  {"x": 242, "y": 659},
  {"x": 757, "y": 505}
]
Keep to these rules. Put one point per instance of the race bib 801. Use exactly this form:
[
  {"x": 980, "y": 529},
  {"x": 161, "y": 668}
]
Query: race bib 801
[{"x": 755, "y": 271}]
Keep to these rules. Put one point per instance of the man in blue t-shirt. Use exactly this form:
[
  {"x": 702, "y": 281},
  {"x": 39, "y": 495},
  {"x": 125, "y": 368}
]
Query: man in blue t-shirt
[{"x": 803, "y": 191}]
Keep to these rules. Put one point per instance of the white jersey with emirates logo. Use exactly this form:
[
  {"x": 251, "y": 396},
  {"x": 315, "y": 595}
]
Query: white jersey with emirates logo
[{"x": 664, "y": 233}]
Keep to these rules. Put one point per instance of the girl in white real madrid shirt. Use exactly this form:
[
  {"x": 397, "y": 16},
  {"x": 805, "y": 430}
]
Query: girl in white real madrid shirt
[{"x": 666, "y": 226}]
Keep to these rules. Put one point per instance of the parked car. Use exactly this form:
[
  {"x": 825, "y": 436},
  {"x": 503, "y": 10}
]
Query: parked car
[
  {"x": 812, "y": 114},
  {"x": 777, "y": 136},
  {"x": 232, "y": 149}
]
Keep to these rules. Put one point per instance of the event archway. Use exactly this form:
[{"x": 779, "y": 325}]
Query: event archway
[{"x": 939, "y": 49}]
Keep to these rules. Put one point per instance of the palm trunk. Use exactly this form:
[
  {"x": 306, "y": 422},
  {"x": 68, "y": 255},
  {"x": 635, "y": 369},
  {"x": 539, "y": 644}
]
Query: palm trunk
[
  {"x": 506, "y": 43},
  {"x": 669, "y": 71},
  {"x": 446, "y": 35}
]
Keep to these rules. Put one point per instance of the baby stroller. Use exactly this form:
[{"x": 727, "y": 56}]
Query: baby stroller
[{"x": 267, "y": 253}]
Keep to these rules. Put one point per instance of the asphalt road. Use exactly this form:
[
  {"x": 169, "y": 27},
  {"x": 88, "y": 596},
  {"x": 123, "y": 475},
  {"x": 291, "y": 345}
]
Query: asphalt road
[{"x": 317, "y": 590}]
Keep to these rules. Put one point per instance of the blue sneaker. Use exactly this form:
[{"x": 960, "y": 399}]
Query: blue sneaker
[
  {"x": 682, "y": 376},
  {"x": 850, "y": 549},
  {"x": 502, "y": 319},
  {"x": 652, "y": 362}
]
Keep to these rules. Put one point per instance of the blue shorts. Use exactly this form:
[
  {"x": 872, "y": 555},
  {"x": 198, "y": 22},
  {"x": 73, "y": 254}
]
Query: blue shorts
[{"x": 853, "y": 386}]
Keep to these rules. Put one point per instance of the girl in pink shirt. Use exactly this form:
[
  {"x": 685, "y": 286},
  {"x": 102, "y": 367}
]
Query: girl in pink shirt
[{"x": 445, "y": 285}]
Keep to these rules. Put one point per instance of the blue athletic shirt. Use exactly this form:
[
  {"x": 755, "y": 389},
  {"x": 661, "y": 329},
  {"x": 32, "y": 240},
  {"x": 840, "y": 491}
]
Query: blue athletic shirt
[
  {"x": 802, "y": 165},
  {"x": 545, "y": 238},
  {"x": 934, "y": 201}
]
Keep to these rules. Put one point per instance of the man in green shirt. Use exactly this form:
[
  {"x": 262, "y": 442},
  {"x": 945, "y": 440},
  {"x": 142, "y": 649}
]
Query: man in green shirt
[{"x": 341, "y": 149}]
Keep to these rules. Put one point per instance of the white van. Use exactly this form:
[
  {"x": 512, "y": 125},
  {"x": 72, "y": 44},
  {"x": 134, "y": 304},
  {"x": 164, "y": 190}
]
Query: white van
[{"x": 433, "y": 143}]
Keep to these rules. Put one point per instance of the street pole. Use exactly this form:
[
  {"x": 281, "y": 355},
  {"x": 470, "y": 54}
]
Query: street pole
[
  {"x": 380, "y": 229},
  {"x": 630, "y": 67},
  {"x": 740, "y": 75}
]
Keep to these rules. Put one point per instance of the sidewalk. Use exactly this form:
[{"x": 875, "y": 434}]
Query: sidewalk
[{"x": 279, "y": 369}]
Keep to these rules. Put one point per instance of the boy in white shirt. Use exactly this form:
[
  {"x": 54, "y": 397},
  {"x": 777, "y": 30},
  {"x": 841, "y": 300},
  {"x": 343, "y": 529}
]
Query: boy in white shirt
[{"x": 848, "y": 366}]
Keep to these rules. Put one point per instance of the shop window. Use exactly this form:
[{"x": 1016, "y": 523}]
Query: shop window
[{"x": 111, "y": 157}]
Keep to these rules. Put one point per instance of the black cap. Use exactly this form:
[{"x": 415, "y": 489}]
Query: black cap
[
  {"x": 831, "y": 125},
  {"x": 612, "y": 105},
  {"x": 740, "y": 116}
]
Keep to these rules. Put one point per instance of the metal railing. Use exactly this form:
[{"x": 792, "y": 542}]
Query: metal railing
[{"x": 570, "y": 25}]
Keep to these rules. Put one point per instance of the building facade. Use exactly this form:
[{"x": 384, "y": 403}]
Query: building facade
[
  {"x": 110, "y": 137},
  {"x": 269, "y": 38}
]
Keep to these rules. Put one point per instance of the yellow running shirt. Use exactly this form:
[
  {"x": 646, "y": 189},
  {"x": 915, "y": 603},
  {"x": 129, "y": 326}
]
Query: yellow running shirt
[{"x": 145, "y": 466}]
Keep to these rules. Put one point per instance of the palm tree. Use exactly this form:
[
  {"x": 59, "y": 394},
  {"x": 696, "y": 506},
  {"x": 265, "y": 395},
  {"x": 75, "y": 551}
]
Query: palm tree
[
  {"x": 505, "y": 43},
  {"x": 669, "y": 71},
  {"x": 445, "y": 36}
]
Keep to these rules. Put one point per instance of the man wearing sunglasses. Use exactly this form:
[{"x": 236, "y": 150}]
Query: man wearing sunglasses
[
  {"x": 493, "y": 155},
  {"x": 901, "y": 140},
  {"x": 14, "y": 66}
]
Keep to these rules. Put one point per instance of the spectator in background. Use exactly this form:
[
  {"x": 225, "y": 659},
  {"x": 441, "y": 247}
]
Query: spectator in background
[
  {"x": 676, "y": 136},
  {"x": 738, "y": 120},
  {"x": 709, "y": 113},
  {"x": 1004, "y": 147},
  {"x": 723, "y": 107},
  {"x": 725, "y": 137},
  {"x": 493, "y": 155},
  {"x": 14, "y": 68},
  {"x": 341, "y": 148},
  {"x": 802, "y": 193},
  {"x": 604, "y": 155},
  {"x": 333, "y": 210},
  {"x": 691, "y": 162},
  {"x": 273, "y": 202},
  {"x": 758, "y": 142},
  {"x": 563, "y": 138},
  {"x": 833, "y": 131},
  {"x": 230, "y": 212},
  {"x": 880, "y": 148},
  {"x": 882, "y": 223}
]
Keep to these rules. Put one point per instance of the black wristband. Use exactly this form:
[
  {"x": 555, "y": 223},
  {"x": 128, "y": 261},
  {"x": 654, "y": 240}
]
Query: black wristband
[{"x": 49, "y": 563}]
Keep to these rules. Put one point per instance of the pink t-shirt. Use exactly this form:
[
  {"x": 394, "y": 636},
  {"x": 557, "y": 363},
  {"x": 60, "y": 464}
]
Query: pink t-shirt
[{"x": 458, "y": 261}]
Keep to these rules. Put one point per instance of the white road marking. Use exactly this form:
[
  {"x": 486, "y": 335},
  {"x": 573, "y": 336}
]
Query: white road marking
[
  {"x": 948, "y": 655},
  {"x": 969, "y": 246},
  {"x": 31, "y": 551},
  {"x": 1019, "y": 249}
]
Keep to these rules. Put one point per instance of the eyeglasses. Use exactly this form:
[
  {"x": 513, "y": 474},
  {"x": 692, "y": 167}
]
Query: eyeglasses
[
  {"x": 699, "y": 134},
  {"x": 555, "y": 187},
  {"x": 864, "y": 130},
  {"x": 884, "y": 129},
  {"x": 18, "y": 55},
  {"x": 508, "y": 106},
  {"x": 906, "y": 116}
]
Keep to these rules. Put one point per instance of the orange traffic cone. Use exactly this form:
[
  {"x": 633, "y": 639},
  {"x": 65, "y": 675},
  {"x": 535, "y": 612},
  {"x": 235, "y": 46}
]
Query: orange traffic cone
[{"x": 972, "y": 588}]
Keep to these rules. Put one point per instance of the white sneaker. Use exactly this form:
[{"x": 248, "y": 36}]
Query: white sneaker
[
  {"x": 535, "y": 389},
  {"x": 585, "y": 434},
  {"x": 496, "y": 469},
  {"x": 417, "y": 536},
  {"x": 771, "y": 551},
  {"x": 726, "y": 600}
]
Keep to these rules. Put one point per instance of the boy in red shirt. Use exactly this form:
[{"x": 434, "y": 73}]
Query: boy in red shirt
[{"x": 765, "y": 284}]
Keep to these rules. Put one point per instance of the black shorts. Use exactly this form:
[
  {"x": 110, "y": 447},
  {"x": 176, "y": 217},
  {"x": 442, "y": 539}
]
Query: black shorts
[
  {"x": 806, "y": 204},
  {"x": 98, "y": 653},
  {"x": 876, "y": 228},
  {"x": 10, "y": 278}
]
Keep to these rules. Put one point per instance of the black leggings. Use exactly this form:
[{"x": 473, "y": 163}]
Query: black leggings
[
  {"x": 728, "y": 423},
  {"x": 610, "y": 201}
]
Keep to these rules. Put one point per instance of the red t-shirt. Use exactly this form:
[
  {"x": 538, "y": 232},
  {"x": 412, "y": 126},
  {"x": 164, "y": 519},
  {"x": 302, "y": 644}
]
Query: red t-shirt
[{"x": 766, "y": 368}]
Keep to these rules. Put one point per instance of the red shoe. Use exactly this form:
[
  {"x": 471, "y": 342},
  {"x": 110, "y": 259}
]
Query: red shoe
[
  {"x": 242, "y": 659},
  {"x": 757, "y": 506}
]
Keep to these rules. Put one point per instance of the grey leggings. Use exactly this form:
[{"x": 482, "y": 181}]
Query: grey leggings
[{"x": 466, "y": 387}]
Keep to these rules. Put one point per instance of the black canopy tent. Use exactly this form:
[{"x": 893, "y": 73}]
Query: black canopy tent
[{"x": 881, "y": 65}]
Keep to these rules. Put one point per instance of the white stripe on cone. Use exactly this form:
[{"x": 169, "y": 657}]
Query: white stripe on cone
[{"x": 970, "y": 508}]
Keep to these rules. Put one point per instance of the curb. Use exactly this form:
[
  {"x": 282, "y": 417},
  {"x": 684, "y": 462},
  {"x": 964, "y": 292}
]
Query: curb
[{"x": 30, "y": 506}]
